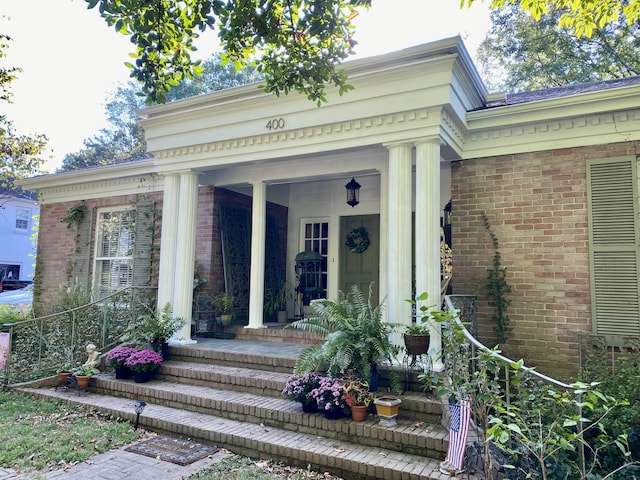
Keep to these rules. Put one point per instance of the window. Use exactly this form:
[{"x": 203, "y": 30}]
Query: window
[
  {"x": 23, "y": 215},
  {"x": 316, "y": 239},
  {"x": 614, "y": 245},
  {"x": 115, "y": 239},
  {"x": 8, "y": 271}
]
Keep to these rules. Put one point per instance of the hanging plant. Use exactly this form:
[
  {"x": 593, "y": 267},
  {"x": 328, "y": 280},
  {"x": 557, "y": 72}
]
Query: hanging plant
[{"x": 357, "y": 240}]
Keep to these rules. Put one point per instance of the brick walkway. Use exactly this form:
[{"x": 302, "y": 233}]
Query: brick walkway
[{"x": 119, "y": 464}]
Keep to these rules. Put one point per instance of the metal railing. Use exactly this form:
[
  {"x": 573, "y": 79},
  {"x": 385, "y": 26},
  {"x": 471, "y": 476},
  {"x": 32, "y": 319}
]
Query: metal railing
[
  {"x": 40, "y": 346},
  {"x": 505, "y": 364}
]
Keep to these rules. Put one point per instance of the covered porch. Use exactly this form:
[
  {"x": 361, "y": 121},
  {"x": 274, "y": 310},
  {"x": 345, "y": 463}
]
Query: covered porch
[{"x": 396, "y": 134}]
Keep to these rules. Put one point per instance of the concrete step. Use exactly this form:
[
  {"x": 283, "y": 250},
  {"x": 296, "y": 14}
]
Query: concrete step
[{"x": 337, "y": 455}]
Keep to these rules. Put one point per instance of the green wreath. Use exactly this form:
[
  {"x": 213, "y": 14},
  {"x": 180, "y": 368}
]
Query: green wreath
[{"x": 358, "y": 240}]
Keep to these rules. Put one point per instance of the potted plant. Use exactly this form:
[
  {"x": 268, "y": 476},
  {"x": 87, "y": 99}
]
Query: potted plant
[
  {"x": 65, "y": 370},
  {"x": 275, "y": 303},
  {"x": 83, "y": 375},
  {"x": 328, "y": 396},
  {"x": 417, "y": 335},
  {"x": 387, "y": 409},
  {"x": 117, "y": 358},
  {"x": 143, "y": 363},
  {"x": 223, "y": 303},
  {"x": 356, "y": 337},
  {"x": 355, "y": 391},
  {"x": 154, "y": 328},
  {"x": 299, "y": 387}
]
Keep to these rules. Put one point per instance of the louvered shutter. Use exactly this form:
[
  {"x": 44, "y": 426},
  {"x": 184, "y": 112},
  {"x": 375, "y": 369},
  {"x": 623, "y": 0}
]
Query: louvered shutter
[
  {"x": 613, "y": 222},
  {"x": 143, "y": 244}
]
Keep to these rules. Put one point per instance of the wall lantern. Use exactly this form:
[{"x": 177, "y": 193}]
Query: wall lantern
[{"x": 353, "y": 192}]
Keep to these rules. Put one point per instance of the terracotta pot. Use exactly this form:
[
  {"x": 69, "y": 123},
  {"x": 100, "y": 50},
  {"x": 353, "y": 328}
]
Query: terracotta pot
[
  {"x": 359, "y": 413},
  {"x": 83, "y": 381},
  {"x": 62, "y": 376}
]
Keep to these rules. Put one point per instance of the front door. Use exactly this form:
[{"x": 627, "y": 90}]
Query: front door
[{"x": 359, "y": 265}]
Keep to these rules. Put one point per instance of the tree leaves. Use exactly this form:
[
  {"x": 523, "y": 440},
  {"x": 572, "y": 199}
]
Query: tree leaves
[
  {"x": 536, "y": 54},
  {"x": 295, "y": 43}
]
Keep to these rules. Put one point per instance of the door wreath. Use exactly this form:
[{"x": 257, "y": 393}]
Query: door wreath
[{"x": 358, "y": 240}]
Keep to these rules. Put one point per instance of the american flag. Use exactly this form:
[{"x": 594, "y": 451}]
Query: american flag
[{"x": 460, "y": 415}]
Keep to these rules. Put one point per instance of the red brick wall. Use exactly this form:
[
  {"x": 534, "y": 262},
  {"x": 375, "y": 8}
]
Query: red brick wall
[
  {"x": 56, "y": 242},
  {"x": 536, "y": 205}
]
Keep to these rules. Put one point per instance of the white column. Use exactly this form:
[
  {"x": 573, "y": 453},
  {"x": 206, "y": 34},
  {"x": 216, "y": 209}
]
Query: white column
[
  {"x": 384, "y": 240},
  {"x": 258, "y": 238},
  {"x": 399, "y": 236},
  {"x": 185, "y": 254},
  {"x": 168, "y": 240},
  {"x": 427, "y": 234}
]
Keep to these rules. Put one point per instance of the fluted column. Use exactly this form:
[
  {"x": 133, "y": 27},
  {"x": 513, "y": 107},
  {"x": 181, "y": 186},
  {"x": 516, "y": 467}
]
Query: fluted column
[
  {"x": 399, "y": 235},
  {"x": 168, "y": 240},
  {"x": 258, "y": 238},
  {"x": 384, "y": 241},
  {"x": 185, "y": 253},
  {"x": 427, "y": 234}
]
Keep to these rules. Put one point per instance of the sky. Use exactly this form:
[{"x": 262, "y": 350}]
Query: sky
[{"x": 72, "y": 60}]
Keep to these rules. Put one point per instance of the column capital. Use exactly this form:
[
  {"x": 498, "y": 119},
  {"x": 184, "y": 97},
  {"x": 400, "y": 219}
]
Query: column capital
[{"x": 431, "y": 140}]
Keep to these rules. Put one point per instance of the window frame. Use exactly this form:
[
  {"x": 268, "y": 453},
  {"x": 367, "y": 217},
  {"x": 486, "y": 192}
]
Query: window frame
[{"x": 99, "y": 259}]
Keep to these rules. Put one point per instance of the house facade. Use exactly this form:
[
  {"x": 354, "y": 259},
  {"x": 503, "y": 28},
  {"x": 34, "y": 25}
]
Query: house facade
[
  {"x": 17, "y": 251},
  {"x": 242, "y": 182}
]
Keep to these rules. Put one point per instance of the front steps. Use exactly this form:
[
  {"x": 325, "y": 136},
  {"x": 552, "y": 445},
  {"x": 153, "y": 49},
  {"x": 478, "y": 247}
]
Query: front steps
[{"x": 227, "y": 393}]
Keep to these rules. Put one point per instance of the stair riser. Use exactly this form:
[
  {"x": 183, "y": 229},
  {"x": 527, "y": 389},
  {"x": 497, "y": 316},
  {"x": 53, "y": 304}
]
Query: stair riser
[
  {"x": 233, "y": 359},
  {"x": 285, "y": 415}
]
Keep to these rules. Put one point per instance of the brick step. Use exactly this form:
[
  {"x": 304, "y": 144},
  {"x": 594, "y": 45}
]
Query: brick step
[
  {"x": 238, "y": 379},
  {"x": 275, "y": 332},
  {"x": 244, "y": 354},
  {"x": 415, "y": 406},
  {"x": 337, "y": 455},
  {"x": 409, "y": 436}
]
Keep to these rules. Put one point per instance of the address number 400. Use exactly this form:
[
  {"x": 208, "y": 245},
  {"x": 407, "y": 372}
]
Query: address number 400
[{"x": 275, "y": 124}]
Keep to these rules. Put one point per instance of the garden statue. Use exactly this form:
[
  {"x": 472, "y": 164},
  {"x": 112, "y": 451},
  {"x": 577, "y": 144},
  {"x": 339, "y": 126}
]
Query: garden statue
[{"x": 93, "y": 359}]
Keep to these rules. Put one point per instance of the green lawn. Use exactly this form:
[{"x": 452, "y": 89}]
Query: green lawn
[
  {"x": 38, "y": 435},
  {"x": 43, "y": 435}
]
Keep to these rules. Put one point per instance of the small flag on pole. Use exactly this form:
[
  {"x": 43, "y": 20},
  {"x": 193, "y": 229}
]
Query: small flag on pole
[{"x": 459, "y": 419}]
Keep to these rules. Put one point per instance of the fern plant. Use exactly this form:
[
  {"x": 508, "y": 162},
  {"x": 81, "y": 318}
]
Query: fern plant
[{"x": 356, "y": 337}]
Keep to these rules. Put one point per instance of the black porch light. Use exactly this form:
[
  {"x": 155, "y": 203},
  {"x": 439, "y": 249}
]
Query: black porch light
[
  {"x": 353, "y": 192},
  {"x": 138, "y": 407}
]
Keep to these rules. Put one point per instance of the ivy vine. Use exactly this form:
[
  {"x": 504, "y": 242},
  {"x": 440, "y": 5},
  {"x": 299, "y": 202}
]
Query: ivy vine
[
  {"x": 74, "y": 215},
  {"x": 498, "y": 288}
]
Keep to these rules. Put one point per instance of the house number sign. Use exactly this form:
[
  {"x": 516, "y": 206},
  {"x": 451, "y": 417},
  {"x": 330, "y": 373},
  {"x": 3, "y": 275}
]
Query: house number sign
[{"x": 275, "y": 124}]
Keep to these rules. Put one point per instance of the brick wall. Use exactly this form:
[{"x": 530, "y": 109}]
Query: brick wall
[
  {"x": 536, "y": 205},
  {"x": 56, "y": 244}
]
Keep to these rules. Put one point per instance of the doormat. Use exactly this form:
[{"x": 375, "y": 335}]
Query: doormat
[{"x": 182, "y": 452}]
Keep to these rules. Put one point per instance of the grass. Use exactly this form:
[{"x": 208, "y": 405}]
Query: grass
[
  {"x": 39, "y": 435},
  {"x": 235, "y": 467}
]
